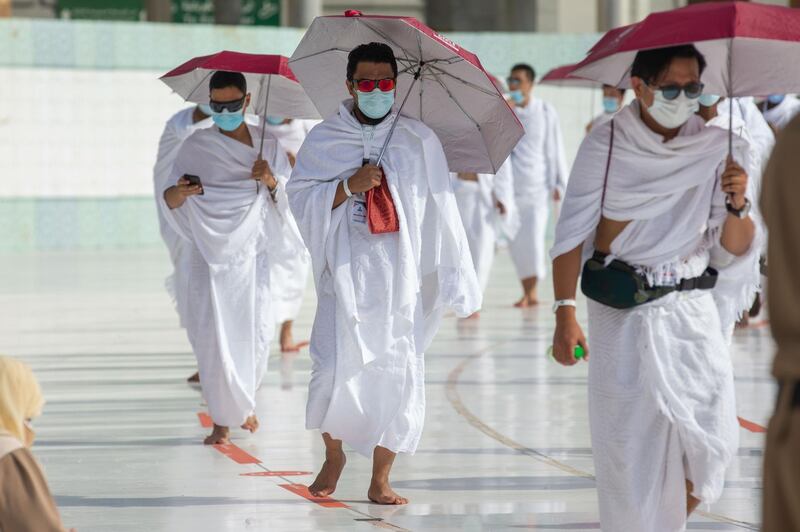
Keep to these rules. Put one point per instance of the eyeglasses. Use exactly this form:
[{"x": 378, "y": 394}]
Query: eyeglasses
[
  {"x": 368, "y": 85},
  {"x": 670, "y": 92},
  {"x": 232, "y": 106},
  {"x": 513, "y": 81}
]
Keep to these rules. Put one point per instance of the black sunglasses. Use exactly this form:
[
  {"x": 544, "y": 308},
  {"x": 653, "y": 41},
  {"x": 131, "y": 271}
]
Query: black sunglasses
[
  {"x": 670, "y": 92},
  {"x": 232, "y": 106}
]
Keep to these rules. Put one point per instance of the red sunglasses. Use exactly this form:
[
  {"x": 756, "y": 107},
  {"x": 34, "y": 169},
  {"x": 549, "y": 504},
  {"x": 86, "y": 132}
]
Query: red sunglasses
[{"x": 368, "y": 85}]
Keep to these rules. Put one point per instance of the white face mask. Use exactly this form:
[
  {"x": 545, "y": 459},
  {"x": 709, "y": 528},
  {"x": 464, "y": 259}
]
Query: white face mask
[{"x": 672, "y": 113}]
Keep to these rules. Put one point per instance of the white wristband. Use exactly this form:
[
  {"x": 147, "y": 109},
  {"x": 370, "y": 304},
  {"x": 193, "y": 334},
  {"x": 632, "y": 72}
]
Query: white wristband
[
  {"x": 564, "y": 303},
  {"x": 346, "y": 188}
]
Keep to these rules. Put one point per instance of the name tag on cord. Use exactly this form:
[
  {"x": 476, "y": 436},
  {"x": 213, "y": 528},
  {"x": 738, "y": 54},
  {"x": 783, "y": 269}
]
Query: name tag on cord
[{"x": 359, "y": 211}]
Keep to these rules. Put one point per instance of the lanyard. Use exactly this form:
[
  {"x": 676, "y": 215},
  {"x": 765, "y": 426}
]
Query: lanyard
[{"x": 367, "y": 135}]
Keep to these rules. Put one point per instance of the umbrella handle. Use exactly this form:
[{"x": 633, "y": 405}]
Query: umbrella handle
[{"x": 396, "y": 118}]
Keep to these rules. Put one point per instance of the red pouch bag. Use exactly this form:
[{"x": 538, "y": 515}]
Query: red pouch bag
[{"x": 381, "y": 213}]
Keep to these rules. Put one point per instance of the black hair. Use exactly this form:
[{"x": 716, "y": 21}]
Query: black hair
[
  {"x": 651, "y": 64},
  {"x": 222, "y": 79},
  {"x": 529, "y": 71},
  {"x": 374, "y": 52}
]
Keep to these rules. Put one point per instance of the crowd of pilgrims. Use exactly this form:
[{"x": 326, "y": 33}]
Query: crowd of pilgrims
[{"x": 658, "y": 197}]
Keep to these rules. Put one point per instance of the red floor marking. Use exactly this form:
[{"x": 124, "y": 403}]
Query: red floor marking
[
  {"x": 236, "y": 454},
  {"x": 752, "y": 427},
  {"x": 299, "y": 489},
  {"x": 205, "y": 420},
  {"x": 276, "y": 474}
]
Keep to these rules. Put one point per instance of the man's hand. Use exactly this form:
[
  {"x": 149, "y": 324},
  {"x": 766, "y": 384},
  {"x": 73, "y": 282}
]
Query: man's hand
[
  {"x": 734, "y": 183},
  {"x": 292, "y": 158},
  {"x": 500, "y": 208},
  {"x": 367, "y": 177},
  {"x": 262, "y": 172},
  {"x": 568, "y": 335},
  {"x": 556, "y": 195},
  {"x": 175, "y": 196}
]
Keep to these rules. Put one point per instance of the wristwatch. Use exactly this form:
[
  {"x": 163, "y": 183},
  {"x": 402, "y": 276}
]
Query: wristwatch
[
  {"x": 564, "y": 303},
  {"x": 742, "y": 213}
]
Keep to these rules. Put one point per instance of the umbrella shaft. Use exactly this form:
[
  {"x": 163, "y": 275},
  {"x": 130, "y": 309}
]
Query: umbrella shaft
[{"x": 396, "y": 118}]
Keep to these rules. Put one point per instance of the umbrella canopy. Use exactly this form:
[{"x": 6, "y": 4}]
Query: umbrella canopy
[
  {"x": 751, "y": 49},
  {"x": 562, "y": 77},
  {"x": 438, "y": 82},
  {"x": 273, "y": 87}
]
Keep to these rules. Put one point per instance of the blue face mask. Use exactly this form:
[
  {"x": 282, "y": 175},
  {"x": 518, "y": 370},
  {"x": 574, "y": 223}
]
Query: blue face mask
[
  {"x": 228, "y": 121},
  {"x": 375, "y": 104},
  {"x": 205, "y": 109},
  {"x": 610, "y": 104},
  {"x": 274, "y": 120},
  {"x": 517, "y": 96},
  {"x": 775, "y": 99},
  {"x": 707, "y": 100}
]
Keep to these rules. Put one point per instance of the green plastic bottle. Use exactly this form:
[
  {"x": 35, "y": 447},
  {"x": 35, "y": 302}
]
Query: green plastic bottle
[{"x": 579, "y": 352}]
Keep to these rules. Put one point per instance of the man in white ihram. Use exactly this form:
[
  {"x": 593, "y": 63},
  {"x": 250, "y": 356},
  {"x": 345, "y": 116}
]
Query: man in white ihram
[
  {"x": 540, "y": 175},
  {"x": 381, "y": 296},
  {"x": 230, "y": 204},
  {"x": 654, "y": 198}
]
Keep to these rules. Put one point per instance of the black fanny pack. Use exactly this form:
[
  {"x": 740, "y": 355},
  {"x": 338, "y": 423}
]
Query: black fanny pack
[{"x": 620, "y": 286}]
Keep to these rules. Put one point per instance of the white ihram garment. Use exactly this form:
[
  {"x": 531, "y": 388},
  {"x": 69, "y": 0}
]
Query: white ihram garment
[
  {"x": 482, "y": 220},
  {"x": 177, "y": 129},
  {"x": 232, "y": 231},
  {"x": 661, "y": 395},
  {"x": 381, "y": 297},
  {"x": 780, "y": 115},
  {"x": 539, "y": 168}
]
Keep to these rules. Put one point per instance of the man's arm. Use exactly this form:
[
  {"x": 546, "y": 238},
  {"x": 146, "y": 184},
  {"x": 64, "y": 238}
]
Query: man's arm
[
  {"x": 737, "y": 233},
  {"x": 566, "y": 270}
]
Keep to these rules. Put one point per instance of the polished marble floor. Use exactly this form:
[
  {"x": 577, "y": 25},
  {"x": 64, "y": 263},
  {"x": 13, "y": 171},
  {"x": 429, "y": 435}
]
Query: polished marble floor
[{"x": 506, "y": 444}]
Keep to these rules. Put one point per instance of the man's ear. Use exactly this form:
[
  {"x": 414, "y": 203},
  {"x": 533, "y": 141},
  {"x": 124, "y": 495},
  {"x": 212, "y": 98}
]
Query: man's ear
[
  {"x": 349, "y": 84},
  {"x": 247, "y": 100},
  {"x": 638, "y": 86}
]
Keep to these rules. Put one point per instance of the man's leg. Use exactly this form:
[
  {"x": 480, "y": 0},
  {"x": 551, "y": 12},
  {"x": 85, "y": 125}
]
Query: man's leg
[
  {"x": 380, "y": 491},
  {"x": 529, "y": 296},
  {"x": 328, "y": 477},
  {"x": 287, "y": 339}
]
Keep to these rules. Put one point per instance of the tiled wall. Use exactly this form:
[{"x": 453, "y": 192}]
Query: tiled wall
[{"x": 81, "y": 110}]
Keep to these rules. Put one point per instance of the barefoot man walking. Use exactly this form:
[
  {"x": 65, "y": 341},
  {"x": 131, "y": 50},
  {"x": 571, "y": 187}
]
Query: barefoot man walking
[
  {"x": 381, "y": 296},
  {"x": 230, "y": 205}
]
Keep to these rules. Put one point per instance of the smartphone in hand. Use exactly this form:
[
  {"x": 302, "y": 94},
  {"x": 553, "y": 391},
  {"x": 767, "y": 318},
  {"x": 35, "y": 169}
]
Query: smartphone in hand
[{"x": 195, "y": 180}]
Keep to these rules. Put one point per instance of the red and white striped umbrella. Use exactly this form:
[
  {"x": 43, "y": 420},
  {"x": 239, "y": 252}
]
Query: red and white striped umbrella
[
  {"x": 439, "y": 83},
  {"x": 751, "y": 49},
  {"x": 271, "y": 83}
]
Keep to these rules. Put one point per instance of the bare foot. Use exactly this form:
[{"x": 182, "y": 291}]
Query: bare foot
[
  {"x": 328, "y": 477},
  {"x": 194, "y": 378},
  {"x": 218, "y": 436},
  {"x": 527, "y": 301},
  {"x": 251, "y": 423},
  {"x": 287, "y": 339},
  {"x": 382, "y": 493},
  {"x": 473, "y": 316}
]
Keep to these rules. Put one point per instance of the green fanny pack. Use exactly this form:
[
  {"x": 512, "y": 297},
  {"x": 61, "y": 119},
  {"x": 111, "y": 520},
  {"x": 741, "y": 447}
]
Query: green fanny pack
[{"x": 620, "y": 286}]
